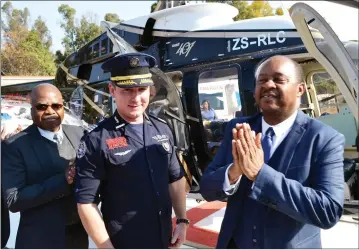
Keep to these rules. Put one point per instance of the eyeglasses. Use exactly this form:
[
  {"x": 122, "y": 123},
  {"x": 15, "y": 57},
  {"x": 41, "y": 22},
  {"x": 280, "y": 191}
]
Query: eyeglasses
[{"x": 54, "y": 106}]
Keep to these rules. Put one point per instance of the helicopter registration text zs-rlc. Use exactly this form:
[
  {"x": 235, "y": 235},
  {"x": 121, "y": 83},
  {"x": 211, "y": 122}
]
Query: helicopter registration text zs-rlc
[{"x": 261, "y": 40}]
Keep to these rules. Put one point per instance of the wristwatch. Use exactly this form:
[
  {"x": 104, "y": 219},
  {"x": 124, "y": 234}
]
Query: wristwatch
[{"x": 181, "y": 220}]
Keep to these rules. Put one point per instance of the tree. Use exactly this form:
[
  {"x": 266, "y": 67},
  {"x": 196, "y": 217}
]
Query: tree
[
  {"x": 77, "y": 34},
  {"x": 253, "y": 10},
  {"x": 43, "y": 31},
  {"x": 59, "y": 57},
  {"x": 16, "y": 19},
  {"x": 86, "y": 31},
  {"x": 24, "y": 51},
  {"x": 243, "y": 10},
  {"x": 112, "y": 17},
  {"x": 260, "y": 8},
  {"x": 279, "y": 12},
  {"x": 68, "y": 15},
  {"x": 153, "y": 7}
]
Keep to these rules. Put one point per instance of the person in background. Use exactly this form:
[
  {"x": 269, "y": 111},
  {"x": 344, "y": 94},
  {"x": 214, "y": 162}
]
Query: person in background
[
  {"x": 38, "y": 175},
  {"x": 282, "y": 187},
  {"x": 207, "y": 112},
  {"x": 129, "y": 162}
]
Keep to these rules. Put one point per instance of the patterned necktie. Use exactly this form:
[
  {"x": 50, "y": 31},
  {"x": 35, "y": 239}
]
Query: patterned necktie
[
  {"x": 56, "y": 139},
  {"x": 267, "y": 143}
]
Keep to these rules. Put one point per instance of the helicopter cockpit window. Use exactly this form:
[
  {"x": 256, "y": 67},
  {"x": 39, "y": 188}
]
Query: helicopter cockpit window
[
  {"x": 329, "y": 97},
  {"x": 96, "y": 50},
  {"x": 91, "y": 103},
  {"x": 165, "y": 104},
  {"x": 219, "y": 102},
  {"x": 104, "y": 46}
]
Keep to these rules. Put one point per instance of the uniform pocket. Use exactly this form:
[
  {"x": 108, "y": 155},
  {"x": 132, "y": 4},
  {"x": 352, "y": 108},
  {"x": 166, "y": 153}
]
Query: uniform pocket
[{"x": 120, "y": 156}]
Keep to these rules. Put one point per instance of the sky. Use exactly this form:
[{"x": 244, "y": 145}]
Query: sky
[{"x": 344, "y": 20}]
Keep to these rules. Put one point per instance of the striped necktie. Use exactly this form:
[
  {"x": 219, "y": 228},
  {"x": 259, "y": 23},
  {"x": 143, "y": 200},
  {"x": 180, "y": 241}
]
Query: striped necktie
[
  {"x": 56, "y": 139},
  {"x": 267, "y": 143}
]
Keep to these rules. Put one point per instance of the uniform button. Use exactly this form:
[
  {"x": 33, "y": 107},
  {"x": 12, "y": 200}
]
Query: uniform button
[
  {"x": 158, "y": 193},
  {"x": 151, "y": 170},
  {"x": 160, "y": 212},
  {"x": 254, "y": 227},
  {"x": 254, "y": 240}
]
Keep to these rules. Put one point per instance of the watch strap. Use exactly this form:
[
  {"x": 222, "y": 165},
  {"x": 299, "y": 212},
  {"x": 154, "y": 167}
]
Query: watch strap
[{"x": 182, "y": 220}]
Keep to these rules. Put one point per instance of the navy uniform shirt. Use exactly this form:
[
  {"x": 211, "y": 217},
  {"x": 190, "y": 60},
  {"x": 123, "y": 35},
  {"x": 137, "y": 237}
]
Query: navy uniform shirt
[{"x": 129, "y": 172}]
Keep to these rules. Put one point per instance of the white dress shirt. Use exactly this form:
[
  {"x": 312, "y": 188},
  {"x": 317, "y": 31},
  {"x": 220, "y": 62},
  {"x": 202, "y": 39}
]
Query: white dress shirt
[
  {"x": 281, "y": 130},
  {"x": 50, "y": 135}
]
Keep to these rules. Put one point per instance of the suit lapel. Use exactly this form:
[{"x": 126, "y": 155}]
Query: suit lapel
[
  {"x": 283, "y": 155},
  {"x": 42, "y": 152},
  {"x": 71, "y": 136}
]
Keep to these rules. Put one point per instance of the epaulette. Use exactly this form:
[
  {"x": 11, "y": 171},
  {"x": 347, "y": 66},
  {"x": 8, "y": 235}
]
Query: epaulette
[
  {"x": 90, "y": 128},
  {"x": 158, "y": 119},
  {"x": 93, "y": 126}
]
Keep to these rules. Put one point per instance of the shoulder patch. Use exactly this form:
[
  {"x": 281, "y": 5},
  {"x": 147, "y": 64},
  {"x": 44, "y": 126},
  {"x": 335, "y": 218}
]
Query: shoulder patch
[
  {"x": 81, "y": 151},
  {"x": 158, "y": 119}
]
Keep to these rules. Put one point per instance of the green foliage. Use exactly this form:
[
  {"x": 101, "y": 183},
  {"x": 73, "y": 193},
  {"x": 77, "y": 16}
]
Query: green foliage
[
  {"x": 24, "y": 51},
  {"x": 43, "y": 31},
  {"x": 244, "y": 11},
  {"x": 112, "y": 17},
  {"x": 153, "y": 7},
  {"x": 16, "y": 19},
  {"x": 255, "y": 9},
  {"x": 77, "y": 34},
  {"x": 324, "y": 84},
  {"x": 279, "y": 12}
]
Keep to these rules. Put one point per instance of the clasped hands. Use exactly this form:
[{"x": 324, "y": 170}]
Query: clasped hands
[
  {"x": 70, "y": 173},
  {"x": 248, "y": 156}
]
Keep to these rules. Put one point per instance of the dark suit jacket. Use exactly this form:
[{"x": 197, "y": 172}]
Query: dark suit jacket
[
  {"x": 5, "y": 222},
  {"x": 35, "y": 185},
  {"x": 302, "y": 185}
]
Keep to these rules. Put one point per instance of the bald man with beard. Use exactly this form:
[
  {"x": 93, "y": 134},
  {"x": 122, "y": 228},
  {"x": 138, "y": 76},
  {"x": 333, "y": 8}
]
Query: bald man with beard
[{"x": 37, "y": 176}]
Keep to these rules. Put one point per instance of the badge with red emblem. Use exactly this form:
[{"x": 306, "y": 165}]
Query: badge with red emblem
[{"x": 118, "y": 142}]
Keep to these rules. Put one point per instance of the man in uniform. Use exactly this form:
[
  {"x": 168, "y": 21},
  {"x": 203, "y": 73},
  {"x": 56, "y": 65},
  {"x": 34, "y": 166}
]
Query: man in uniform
[{"x": 130, "y": 163}]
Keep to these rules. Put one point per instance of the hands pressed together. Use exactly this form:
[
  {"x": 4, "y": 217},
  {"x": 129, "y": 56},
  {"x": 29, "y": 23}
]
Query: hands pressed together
[{"x": 248, "y": 156}]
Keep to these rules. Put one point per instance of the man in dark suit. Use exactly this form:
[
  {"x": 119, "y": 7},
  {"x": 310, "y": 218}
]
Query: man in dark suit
[
  {"x": 37, "y": 176},
  {"x": 281, "y": 188},
  {"x": 5, "y": 218},
  {"x": 5, "y": 223}
]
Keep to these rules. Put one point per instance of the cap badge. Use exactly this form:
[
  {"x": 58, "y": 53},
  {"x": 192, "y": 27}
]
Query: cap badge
[{"x": 134, "y": 62}]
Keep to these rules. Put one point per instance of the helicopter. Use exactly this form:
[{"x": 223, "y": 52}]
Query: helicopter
[{"x": 203, "y": 54}]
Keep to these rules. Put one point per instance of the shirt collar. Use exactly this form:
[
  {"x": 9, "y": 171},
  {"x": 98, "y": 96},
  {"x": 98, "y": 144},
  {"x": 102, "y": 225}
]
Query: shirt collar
[
  {"x": 282, "y": 127},
  {"x": 50, "y": 135}
]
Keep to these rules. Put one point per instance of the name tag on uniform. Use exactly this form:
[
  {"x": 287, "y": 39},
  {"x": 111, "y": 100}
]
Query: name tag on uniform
[
  {"x": 118, "y": 142},
  {"x": 123, "y": 153},
  {"x": 160, "y": 138}
]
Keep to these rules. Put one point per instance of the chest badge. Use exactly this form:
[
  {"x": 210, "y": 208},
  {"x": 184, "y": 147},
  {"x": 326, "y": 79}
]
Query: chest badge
[
  {"x": 118, "y": 142},
  {"x": 166, "y": 146},
  {"x": 81, "y": 151}
]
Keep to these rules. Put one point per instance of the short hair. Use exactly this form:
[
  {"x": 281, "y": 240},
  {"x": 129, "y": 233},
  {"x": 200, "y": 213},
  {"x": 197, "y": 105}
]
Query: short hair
[{"x": 298, "y": 70}]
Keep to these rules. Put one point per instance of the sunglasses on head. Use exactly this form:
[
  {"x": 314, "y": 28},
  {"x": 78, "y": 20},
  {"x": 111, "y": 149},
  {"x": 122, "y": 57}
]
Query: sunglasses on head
[{"x": 43, "y": 107}]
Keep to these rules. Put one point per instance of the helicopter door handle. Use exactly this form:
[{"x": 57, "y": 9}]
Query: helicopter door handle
[{"x": 192, "y": 118}]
